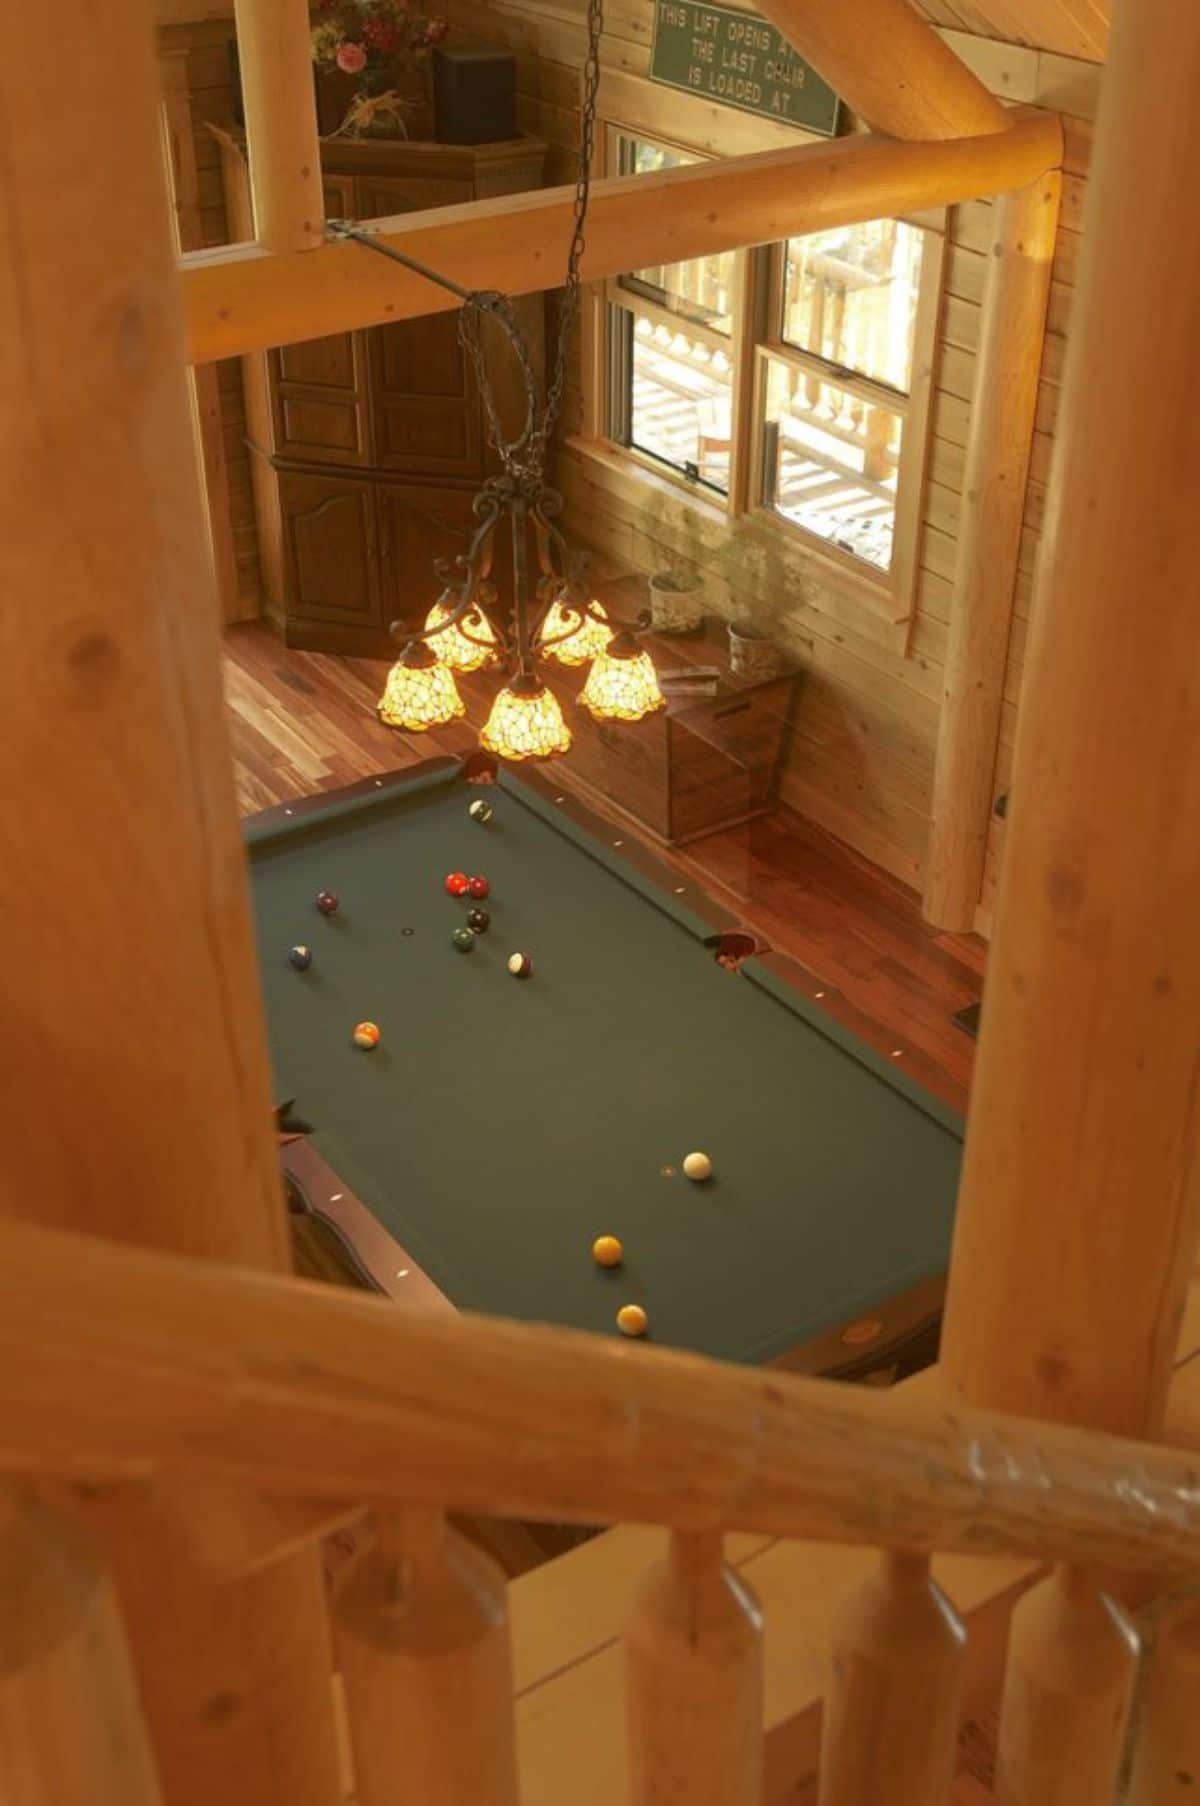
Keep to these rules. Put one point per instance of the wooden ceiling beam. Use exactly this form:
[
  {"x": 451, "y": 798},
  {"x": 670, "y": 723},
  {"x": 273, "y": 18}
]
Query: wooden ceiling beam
[
  {"x": 243, "y": 298},
  {"x": 890, "y": 65}
]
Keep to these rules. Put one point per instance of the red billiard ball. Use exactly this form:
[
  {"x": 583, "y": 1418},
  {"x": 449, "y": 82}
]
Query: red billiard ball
[
  {"x": 327, "y": 903},
  {"x": 457, "y": 883},
  {"x": 478, "y": 888}
]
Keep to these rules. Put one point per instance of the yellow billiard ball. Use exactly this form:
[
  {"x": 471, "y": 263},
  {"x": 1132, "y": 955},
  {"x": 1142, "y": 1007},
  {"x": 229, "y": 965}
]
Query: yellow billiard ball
[
  {"x": 697, "y": 1166},
  {"x": 607, "y": 1251},
  {"x": 366, "y": 1035},
  {"x": 632, "y": 1320}
]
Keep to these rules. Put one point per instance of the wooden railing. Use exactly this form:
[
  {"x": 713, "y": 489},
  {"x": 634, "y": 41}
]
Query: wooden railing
[{"x": 126, "y": 1368}]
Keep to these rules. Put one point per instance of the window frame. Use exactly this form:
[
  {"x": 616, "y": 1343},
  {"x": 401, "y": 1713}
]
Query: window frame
[{"x": 754, "y": 341}]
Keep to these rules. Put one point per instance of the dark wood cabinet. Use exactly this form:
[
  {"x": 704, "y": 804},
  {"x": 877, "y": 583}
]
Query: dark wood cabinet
[{"x": 368, "y": 447}]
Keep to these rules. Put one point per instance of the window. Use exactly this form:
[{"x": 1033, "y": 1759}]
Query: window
[{"x": 792, "y": 380}]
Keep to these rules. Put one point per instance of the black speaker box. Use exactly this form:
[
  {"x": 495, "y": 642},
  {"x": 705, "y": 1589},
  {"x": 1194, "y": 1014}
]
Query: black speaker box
[{"x": 474, "y": 93}]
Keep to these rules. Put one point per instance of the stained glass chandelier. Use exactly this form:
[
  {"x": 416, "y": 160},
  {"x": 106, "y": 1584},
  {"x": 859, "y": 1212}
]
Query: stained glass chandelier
[{"x": 551, "y": 615}]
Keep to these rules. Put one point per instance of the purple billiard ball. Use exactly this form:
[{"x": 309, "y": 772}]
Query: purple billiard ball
[
  {"x": 327, "y": 903},
  {"x": 301, "y": 958},
  {"x": 478, "y": 921}
]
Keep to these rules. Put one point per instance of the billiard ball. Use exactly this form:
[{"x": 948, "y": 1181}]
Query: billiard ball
[
  {"x": 478, "y": 888},
  {"x": 366, "y": 1035},
  {"x": 478, "y": 921},
  {"x": 327, "y": 903},
  {"x": 632, "y": 1320},
  {"x": 520, "y": 964},
  {"x": 480, "y": 811},
  {"x": 607, "y": 1251},
  {"x": 697, "y": 1166},
  {"x": 456, "y": 883},
  {"x": 301, "y": 958},
  {"x": 463, "y": 939}
]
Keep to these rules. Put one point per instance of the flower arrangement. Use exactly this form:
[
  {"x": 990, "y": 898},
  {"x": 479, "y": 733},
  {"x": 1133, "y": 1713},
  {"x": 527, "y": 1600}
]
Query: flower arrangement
[{"x": 367, "y": 38}]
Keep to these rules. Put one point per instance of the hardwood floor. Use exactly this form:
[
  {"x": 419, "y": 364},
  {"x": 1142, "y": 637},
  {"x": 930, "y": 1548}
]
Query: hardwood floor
[{"x": 306, "y": 721}]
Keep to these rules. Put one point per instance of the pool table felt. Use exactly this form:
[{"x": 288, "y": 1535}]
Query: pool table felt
[{"x": 502, "y": 1124}]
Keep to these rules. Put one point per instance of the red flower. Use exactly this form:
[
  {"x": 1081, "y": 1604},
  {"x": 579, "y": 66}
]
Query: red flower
[
  {"x": 351, "y": 58},
  {"x": 381, "y": 33}
]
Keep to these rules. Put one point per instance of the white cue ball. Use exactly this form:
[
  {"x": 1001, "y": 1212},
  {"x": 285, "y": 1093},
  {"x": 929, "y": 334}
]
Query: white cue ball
[{"x": 697, "y": 1166}]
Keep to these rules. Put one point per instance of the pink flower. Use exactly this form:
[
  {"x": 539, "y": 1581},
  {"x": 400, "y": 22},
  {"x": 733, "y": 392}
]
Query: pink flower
[
  {"x": 351, "y": 58},
  {"x": 436, "y": 30}
]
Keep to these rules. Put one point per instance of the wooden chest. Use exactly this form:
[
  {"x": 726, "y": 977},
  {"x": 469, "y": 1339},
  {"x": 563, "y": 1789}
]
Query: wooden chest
[{"x": 705, "y": 761}]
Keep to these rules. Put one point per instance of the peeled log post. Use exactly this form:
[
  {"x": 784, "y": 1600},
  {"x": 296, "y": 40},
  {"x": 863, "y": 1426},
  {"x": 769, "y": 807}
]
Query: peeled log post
[
  {"x": 1076, "y": 1228},
  {"x": 895, "y": 1692},
  {"x": 1003, "y": 414},
  {"x": 72, "y": 1731},
  {"x": 694, "y": 1681},
  {"x": 284, "y": 152},
  {"x": 1072, "y": 1664},
  {"x": 140, "y": 1106},
  {"x": 890, "y": 65},
  {"x": 421, "y": 1625}
]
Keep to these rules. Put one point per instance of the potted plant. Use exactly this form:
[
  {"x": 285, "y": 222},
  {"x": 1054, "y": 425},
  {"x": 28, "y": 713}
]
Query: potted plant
[
  {"x": 370, "y": 60},
  {"x": 753, "y": 651}
]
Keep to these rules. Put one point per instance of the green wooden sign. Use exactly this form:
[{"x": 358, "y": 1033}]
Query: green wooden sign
[{"x": 740, "y": 60}]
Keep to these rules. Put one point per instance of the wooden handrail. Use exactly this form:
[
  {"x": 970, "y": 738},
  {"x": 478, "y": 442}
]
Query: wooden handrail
[{"x": 117, "y": 1362}]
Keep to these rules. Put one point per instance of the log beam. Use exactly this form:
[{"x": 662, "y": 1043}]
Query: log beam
[
  {"x": 1003, "y": 416},
  {"x": 243, "y": 298},
  {"x": 889, "y": 65},
  {"x": 306, "y": 1392},
  {"x": 141, "y": 1102},
  {"x": 281, "y": 123},
  {"x": 1076, "y": 1228}
]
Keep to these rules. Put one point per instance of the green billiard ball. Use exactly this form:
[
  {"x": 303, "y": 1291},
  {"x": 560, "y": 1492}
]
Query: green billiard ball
[
  {"x": 463, "y": 939},
  {"x": 480, "y": 811}
]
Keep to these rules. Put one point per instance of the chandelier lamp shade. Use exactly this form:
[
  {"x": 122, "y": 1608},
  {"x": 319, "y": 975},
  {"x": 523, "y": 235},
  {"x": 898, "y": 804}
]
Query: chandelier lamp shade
[
  {"x": 467, "y": 645},
  {"x": 420, "y": 692},
  {"x": 574, "y": 635},
  {"x": 622, "y": 684}
]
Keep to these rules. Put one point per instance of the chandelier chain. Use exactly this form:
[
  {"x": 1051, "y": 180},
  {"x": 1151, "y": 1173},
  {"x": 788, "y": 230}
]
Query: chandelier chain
[{"x": 524, "y": 458}]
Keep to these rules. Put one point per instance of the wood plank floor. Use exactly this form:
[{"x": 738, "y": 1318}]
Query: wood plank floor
[{"x": 305, "y": 721}]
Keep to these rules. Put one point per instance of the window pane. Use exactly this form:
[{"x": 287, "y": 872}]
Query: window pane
[
  {"x": 850, "y": 295},
  {"x": 830, "y": 463},
  {"x": 700, "y": 289},
  {"x": 680, "y": 402}
]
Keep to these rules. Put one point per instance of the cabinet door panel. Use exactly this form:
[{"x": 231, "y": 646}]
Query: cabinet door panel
[
  {"x": 426, "y": 409},
  {"x": 417, "y": 525},
  {"x": 427, "y": 412},
  {"x": 319, "y": 387},
  {"x": 330, "y": 549}
]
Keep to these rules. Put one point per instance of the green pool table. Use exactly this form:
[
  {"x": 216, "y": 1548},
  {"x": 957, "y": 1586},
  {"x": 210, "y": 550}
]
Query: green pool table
[{"x": 470, "y": 1160}]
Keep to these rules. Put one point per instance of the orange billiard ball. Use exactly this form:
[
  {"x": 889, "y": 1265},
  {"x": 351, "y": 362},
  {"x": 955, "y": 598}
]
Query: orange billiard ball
[
  {"x": 632, "y": 1320},
  {"x": 607, "y": 1251},
  {"x": 366, "y": 1035}
]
